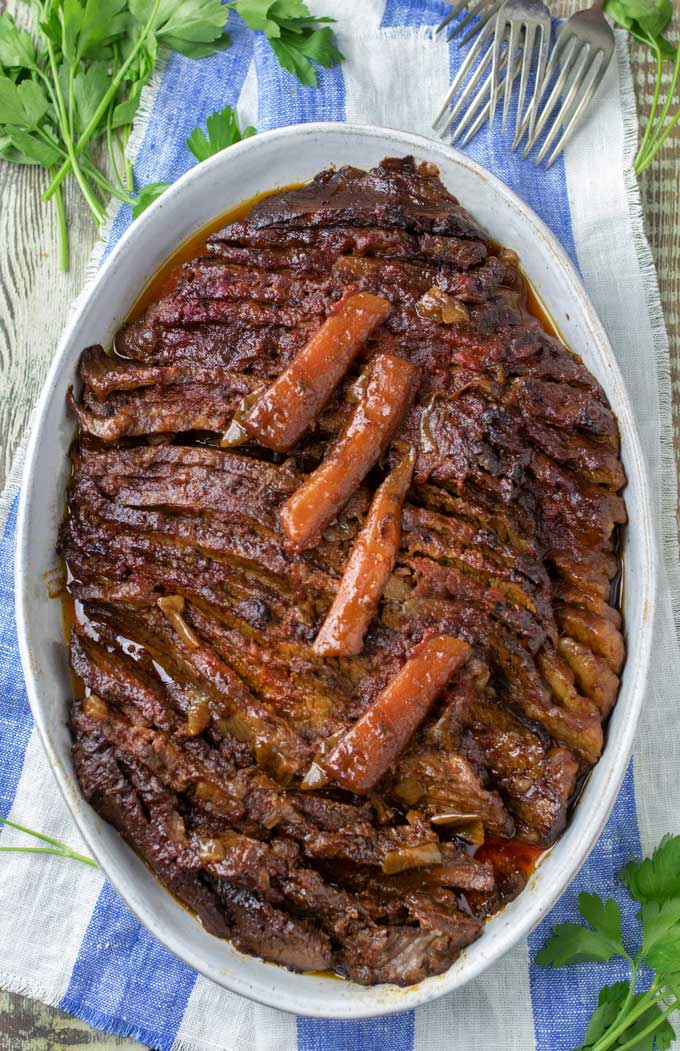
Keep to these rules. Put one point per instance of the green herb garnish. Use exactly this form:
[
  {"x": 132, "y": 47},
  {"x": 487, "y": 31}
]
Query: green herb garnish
[
  {"x": 55, "y": 847},
  {"x": 146, "y": 196},
  {"x": 625, "y": 1019},
  {"x": 70, "y": 89},
  {"x": 297, "y": 37},
  {"x": 646, "y": 21},
  {"x": 223, "y": 130}
]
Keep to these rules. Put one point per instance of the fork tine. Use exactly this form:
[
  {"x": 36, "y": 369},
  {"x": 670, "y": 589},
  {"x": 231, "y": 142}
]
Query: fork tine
[
  {"x": 541, "y": 66},
  {"x": 570, "y": 49},
  {"x": 484, "y": 115},
  {"x": 456, "y": 7},
  {"x": 527, "y": 58},
  {"x": 512, "y": 48},
  {"x": 483, "y": 20},
  {"x": 497, "y": 47},
  {"x": 472, "y": 12},
  {"x": 467, "y": 91},
  {"x": 580, "y": 106},
  {"x": 580, "y": 69},
  {"x": 470, "y": 58},
  {"x": 479, "y": 100},
  {"x": 542, "y": 81}
]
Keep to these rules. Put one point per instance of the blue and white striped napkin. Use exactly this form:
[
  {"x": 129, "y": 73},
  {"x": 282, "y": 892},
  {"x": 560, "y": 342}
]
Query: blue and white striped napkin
[{"x": 65, "y": 937}]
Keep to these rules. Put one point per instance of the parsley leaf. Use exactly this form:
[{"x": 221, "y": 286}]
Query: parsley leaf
[
  {"x": 124, "y": 112},
  {"x": 573, "y": 943},
  {"x": 652, "y": 16},
  {"x": 297, "y": 37},
  {"x": 86, "y": 29},
  {"x": 223, "y": 131},
  {"x": 661, "y": 934},
  {"x": 9, "y": 152},
  {"x": 146, "y": 196},
  {"x": 609, "y": 1002},
  {"x": 195, "y": 28},
  {"x": 89, "y": 88},
  {"x": 35, "y": 150},
  {"x": 658, "y": 877},
  {"x": 23, "y": 104},
  {"x": 626, "y": 1017},
  {"x": 16, "y": 45}
]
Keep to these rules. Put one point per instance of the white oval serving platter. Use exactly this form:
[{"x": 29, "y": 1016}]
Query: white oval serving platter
[{"x": 270, "y": 160}]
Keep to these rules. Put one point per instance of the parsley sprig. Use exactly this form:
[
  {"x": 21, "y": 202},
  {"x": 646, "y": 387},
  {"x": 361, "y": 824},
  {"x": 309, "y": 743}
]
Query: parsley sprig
[
  {"x": 55, "y": 846},
  {"x": 297, "y": 37},
  {"x": 628, "y": 1019},
  {"x": 646, "y": 21},
  {"x": 70, "y": 87},
  {"x": 223, "y": 131}
]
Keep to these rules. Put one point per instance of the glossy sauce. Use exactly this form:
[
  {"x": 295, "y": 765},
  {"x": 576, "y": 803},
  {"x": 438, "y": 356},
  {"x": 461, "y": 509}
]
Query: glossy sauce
[
  {"x": 496, "y": 852},
  {"x": 522, "y": 855},
  {"x": 163, "y": 282}
]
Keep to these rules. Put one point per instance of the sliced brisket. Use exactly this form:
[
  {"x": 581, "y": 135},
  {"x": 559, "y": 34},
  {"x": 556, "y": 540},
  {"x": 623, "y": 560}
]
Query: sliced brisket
[{"x": 206, "y": 715}]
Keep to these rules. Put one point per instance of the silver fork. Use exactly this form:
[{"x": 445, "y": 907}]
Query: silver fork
[
  {"x": 521, "y": 21},
  {"x": 482, "y": 10},
  {"x": 583, "y": 51},
  {"x": 478, "y": 111},
  {"x": 526, "y": 21},
  {"x": 473, "y": 54}
]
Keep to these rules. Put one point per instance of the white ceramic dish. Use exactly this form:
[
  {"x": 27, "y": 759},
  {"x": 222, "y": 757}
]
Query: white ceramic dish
[{"x": 276, "y": 159}]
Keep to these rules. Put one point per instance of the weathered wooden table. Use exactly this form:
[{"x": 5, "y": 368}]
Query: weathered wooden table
[{"x": 34, "y": 303}]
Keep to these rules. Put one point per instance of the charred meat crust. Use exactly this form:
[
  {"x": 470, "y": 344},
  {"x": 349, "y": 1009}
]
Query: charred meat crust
[{"x": 199, "y": 716}]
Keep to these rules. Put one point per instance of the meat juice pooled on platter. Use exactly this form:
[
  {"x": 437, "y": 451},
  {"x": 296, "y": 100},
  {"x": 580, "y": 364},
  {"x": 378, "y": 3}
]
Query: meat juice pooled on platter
[{"x": 341, "y": 529}]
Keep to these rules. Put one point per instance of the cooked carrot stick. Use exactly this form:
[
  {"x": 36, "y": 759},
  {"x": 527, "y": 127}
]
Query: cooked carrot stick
[
  {"x": 280, "y": 416},
  {"x": 368, "y": 568},
  {"x": 376, "y": 740},
  {"x": 364, "y": 438}
]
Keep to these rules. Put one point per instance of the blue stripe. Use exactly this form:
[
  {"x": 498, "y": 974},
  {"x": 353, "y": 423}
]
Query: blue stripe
[
  {"x": 16, "y": 721},
  {"x": 544, "y": 191},
  {"x": 283, "y": 100},
  {"x": 371, "y": 1034},
  {"x": 124, "y": 981},
  {"x": 563, "y": 1000},
  {"x": 210, "y": 84},
  {"x": 413, "y": 13}
]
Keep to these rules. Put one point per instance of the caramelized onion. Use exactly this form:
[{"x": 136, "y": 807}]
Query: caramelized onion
[
  {"x": 411, "y": 858},
  {"x": 198, "y": 716},
  {"x": 438, "y": 305},
  {"x": 205, "y": 790},
  {"x": 236, "y": 433},
  {"x": 95, "y": 707},
  {"x": 172, "y": 606},
  {"x": 175, "y": 827},
  {"x": 467, "y": 826},
  {"x": 210, "y": 849},
  {"x": 409, "y": 791},
  {"x": 315, "y": 777}
]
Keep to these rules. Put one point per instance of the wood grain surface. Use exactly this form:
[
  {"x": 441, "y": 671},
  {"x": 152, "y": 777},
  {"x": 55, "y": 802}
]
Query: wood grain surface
[{"x": 34, "y": 304}]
